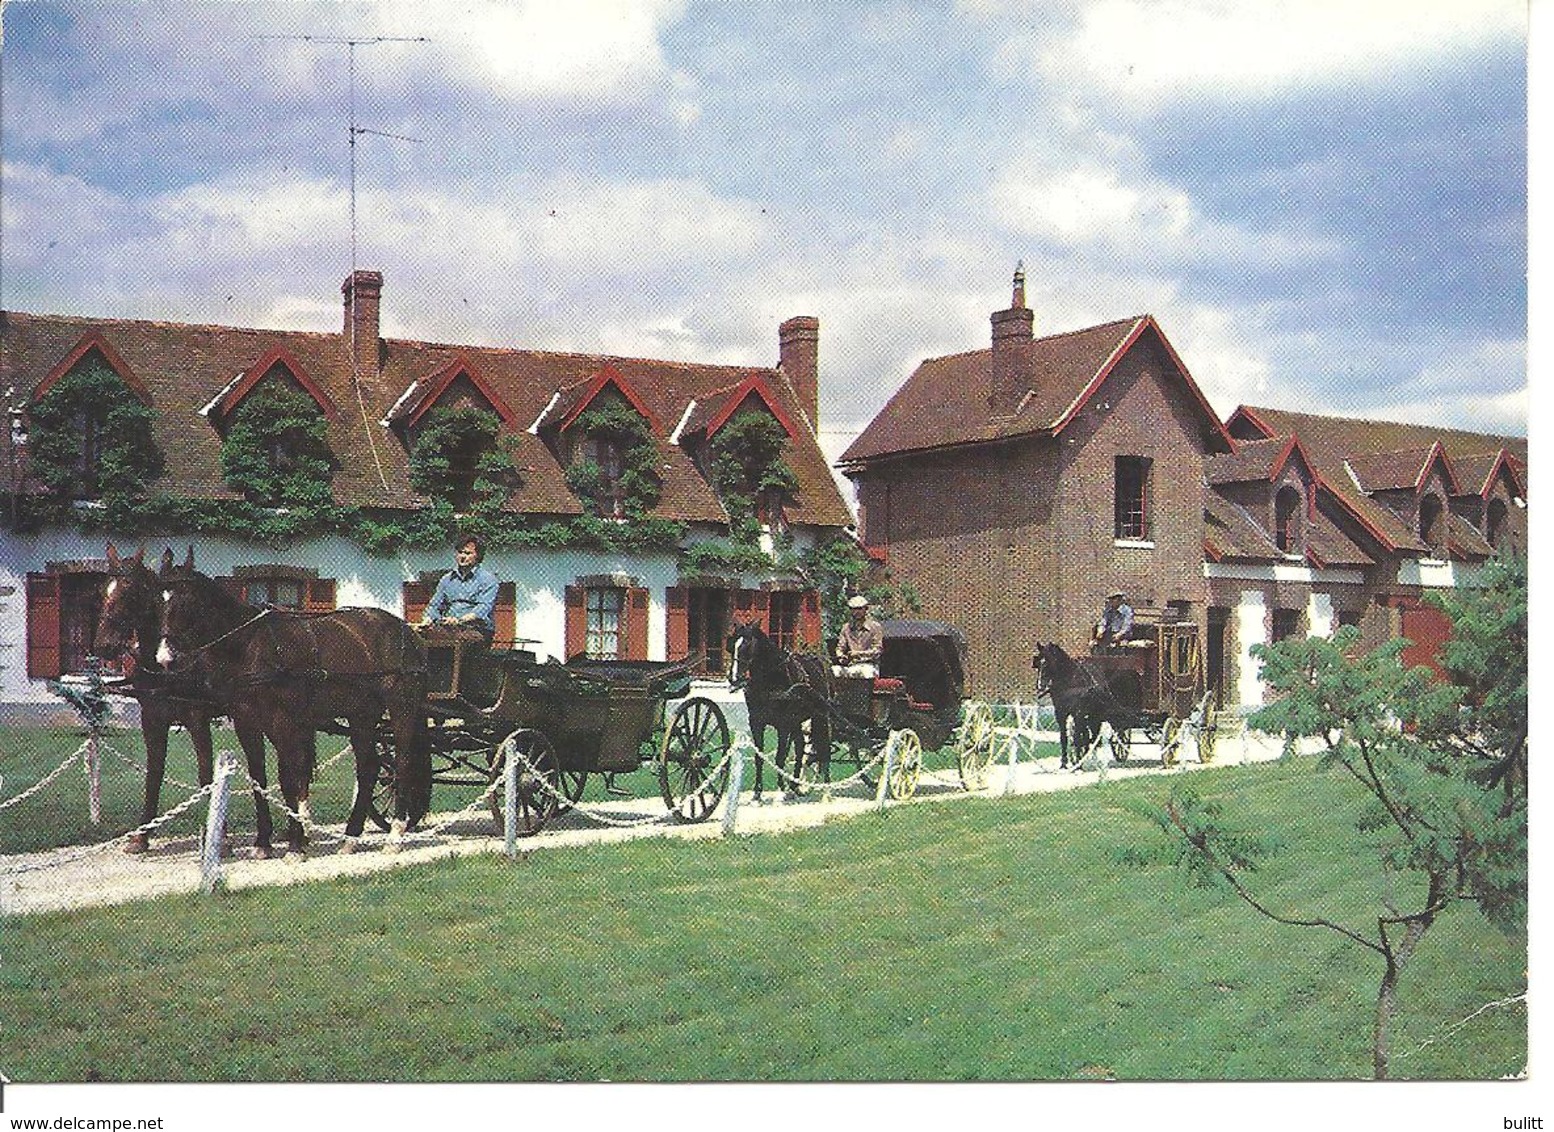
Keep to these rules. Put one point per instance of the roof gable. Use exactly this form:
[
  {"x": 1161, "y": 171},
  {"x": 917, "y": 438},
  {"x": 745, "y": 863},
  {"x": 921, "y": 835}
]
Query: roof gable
[
  {"x": 707, "y": 415},
  {"x": 1477, "y": 474},
  {"x": 571, "y": 403},
  {"x": 423, "y": 395},
  {"x": 1399, "y": 470},
  {"x": 93, "y": 342},
  {"x": 944, "y": 403},
  {"x": 1260, "y": 461},
  {"x": 226, "y": 402}
]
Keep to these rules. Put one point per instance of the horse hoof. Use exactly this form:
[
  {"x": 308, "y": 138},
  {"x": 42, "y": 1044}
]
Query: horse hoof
[
  {"x": 137, "y": 843},
  {"x": 348, "y": 846},
  {"x": 297, "y": 853},
  {"x": 263, "y": 852}
]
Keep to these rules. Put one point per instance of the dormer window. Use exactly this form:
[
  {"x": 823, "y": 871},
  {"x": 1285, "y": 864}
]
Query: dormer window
[
  {"x": 770, "y": 509},
  {"x": 1431, "y": 523},
  {"x": 609, "y": 456},
  {"x": 1495, "y": 523},
  {"x": 1286, "y": 520}
]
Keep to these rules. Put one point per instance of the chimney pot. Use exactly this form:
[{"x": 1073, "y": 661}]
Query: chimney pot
[
  {"x": 1008, "y": 367},
  {"x": 798, "y": 342},
  {"x": 362, "y": 292}
]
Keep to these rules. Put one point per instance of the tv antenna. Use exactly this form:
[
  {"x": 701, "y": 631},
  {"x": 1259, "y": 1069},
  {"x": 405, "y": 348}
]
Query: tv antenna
[{"x": 354, "y": 131}]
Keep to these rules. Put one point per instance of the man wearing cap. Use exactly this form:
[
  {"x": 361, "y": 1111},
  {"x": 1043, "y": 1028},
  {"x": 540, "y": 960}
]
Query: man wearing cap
[
  {"x": 858, "y": 647},
  {"x": 1116, "y": 622}
]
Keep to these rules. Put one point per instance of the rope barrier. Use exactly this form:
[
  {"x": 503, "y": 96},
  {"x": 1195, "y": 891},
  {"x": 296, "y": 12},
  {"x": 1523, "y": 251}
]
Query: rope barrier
[
  {"x": 65, "y": 857},
  {"x": 46, "y": 779}
]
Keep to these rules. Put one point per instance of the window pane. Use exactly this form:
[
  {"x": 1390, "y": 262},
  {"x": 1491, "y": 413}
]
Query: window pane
[
  {"x": 604, "y": 623},
  {"x": 1132, "y": 497}
]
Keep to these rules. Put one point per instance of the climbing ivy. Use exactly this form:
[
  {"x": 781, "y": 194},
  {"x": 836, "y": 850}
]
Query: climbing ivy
[
  {"x": 746, "y": 459},
  {"x": 839, "y": 569},
  {"x": 462, "y": 463},
  {"x": 641, "y": 485},
  {"x": 89, "y": 437},
  {"x": 276, "y": 450}
]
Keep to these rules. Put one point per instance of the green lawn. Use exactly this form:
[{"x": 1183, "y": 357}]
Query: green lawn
[{"x": 1034, "y": 938}]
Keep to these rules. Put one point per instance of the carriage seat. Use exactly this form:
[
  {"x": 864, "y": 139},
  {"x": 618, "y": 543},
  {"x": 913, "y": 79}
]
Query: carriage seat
[{"x": 892, "y": 685}]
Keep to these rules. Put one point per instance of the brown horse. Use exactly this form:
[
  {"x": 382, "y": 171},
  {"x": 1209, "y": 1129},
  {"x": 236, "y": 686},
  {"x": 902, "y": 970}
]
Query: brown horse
[
  {"x": 131, "y": 625},
  {"x": 783, "y": 690},
  {"x": 1088, "y": 694},
  {"x": 283, "y": 676}
]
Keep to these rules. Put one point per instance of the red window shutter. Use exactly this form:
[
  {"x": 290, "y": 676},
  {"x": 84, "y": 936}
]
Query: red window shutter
[
  {"x": 415, "y": 595},
  {"x": 678, "y": 623},
  {"x": 636, "y": 629},
  {"x": 809, "y": 619},
  {"x": 506, "y": 616},
  {"x": 577, "y": 621},
  {"x": 320, "y": 596},
  {"x": 43, "y": 625}
]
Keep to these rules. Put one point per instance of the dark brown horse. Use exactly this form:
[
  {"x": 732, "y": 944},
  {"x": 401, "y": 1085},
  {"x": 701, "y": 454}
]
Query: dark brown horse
[
  {"x": 283, "y": 676},
  {"x": 131, "y": 626},
  {"x": 1086, "y": 695},
  {"x": 782, "y": 690}
]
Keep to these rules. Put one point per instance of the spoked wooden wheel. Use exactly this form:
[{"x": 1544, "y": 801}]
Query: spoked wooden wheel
[
  {"x": 1122, "y": 742},
  {"x": 905, "y": 759},
  {"x": 1170, "y": 741},
  {"x": 692, "y": 760},
  {"x": 975, "y": 746},
  {"x": 539, "y": 781},
  {"x": 385, "y": 789},
  {"x": 1207, "y": 733},
  {"x": 573, "y": 783}
]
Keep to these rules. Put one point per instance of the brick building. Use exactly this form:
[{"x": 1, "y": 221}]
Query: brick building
[
  {"x": 375, "y": 394},
  {"x": 1015, "y": 486}
]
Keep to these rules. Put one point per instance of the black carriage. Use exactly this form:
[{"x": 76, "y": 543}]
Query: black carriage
[
  {"x": 916, "y": 703},
  {"x": 1157, "y": 680},
  {"x": 565, "y": 722}
]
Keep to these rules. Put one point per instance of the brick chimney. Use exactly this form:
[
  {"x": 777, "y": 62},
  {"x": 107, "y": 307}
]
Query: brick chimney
[
  {"x": 799, "y": 358},
  {"x": 363, "y": 292},
  {"x": 1009, "y": 365}
]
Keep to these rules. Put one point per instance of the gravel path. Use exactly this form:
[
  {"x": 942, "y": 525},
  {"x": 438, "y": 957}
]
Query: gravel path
[{"x": 75, "y": 878}]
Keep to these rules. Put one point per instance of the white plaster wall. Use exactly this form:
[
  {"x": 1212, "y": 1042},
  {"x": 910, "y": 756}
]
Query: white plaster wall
[
  {"x": 1251, "y": 629},
  {"x": 1319, "y": 615},
  {"x": 540, "y": 579},
  {"x": 1437, "y": 574}
]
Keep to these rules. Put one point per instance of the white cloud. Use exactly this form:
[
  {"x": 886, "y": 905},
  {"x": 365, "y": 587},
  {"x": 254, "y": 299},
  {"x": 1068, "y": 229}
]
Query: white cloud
[
  {"x": 1095, "y": 206},
  {"x": 1149, "y": 48}
]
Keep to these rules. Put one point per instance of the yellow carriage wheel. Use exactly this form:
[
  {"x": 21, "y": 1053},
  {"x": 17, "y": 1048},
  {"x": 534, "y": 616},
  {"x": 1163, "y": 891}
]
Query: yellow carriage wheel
[
  {"x": 906, "y": 763},
  {"x": 1170, "y": 741},
  {"x": 975, "y": 746}
]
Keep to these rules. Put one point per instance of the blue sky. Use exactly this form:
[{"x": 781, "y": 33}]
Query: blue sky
[{"x": 1323, "y": 202}]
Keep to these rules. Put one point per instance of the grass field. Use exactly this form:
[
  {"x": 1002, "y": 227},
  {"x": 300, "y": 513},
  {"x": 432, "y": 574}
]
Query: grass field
[{"x": 1044, "y": 937}]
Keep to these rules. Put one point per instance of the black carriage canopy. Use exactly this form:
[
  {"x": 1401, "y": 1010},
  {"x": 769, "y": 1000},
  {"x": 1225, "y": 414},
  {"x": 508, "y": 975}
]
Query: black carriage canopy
[{"x": 929, "y": 657}]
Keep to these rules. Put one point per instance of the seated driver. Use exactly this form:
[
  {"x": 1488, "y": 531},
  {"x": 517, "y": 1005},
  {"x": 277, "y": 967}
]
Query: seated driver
[
  {"x": 464, "y": 603},
  {"x": 1115, "y": 625},
  {"x": 862, "y": 638}
]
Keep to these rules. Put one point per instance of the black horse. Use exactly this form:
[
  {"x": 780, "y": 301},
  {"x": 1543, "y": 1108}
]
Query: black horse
[
  {"x": 783, "y": 690},
  {"x": 284, "y": 676},
  {"x": 131, "y": 626},
  {"x": 1085, "y": 695}
]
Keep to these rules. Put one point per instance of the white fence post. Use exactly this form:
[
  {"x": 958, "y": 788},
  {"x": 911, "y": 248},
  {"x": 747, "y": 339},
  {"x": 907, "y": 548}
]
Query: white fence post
[
  {"x": 1013, "y": 744},
  {"x": 890, "y": 766},
  {"x": 510, "y": 817},
  {"x": 216, "y": 821},
  {"x": 94, "y": 777},
  {"x": 736, "y": 783}
]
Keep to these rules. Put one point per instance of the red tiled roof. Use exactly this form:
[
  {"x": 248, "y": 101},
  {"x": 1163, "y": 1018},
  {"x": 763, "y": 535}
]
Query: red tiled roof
[
  {"x": 944, "y": 402},
  {"x": 182, "y": 367},
  {"x": 1408, "y": 468},
  {"x": 1256, "y": 460},
  {"x": 712, "y": 412},
  {"x": 242, "y": 385},
  {"x": 1331, "y": 441}
]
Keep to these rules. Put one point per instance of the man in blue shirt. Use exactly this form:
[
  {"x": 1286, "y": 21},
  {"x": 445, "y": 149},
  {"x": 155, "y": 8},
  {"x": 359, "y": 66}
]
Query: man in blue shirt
[
  {"x": 1116, "y": 622},
  {"x": 465, "y": 598}
]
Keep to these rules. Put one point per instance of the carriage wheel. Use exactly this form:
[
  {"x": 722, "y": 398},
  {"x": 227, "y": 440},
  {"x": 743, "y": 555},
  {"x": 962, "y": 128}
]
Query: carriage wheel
[
  {"x": 386, "y": 789},
  {"x": 1170, "y": 741},
  {"x": 1122, "y": 742},
  {"x": 695, "y": 745},
  {"x": 1207, "y": 734},
  {"x": 975, "y": 746},
  {"x": 906, "y": 763},
  {"x": 539, "y": 781},
  {"x": 573, "y": 782}
]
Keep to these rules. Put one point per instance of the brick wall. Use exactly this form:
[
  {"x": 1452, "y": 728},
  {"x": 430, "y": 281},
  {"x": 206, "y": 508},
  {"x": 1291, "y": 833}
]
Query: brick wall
[{"x": 1013, "y": 542}]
